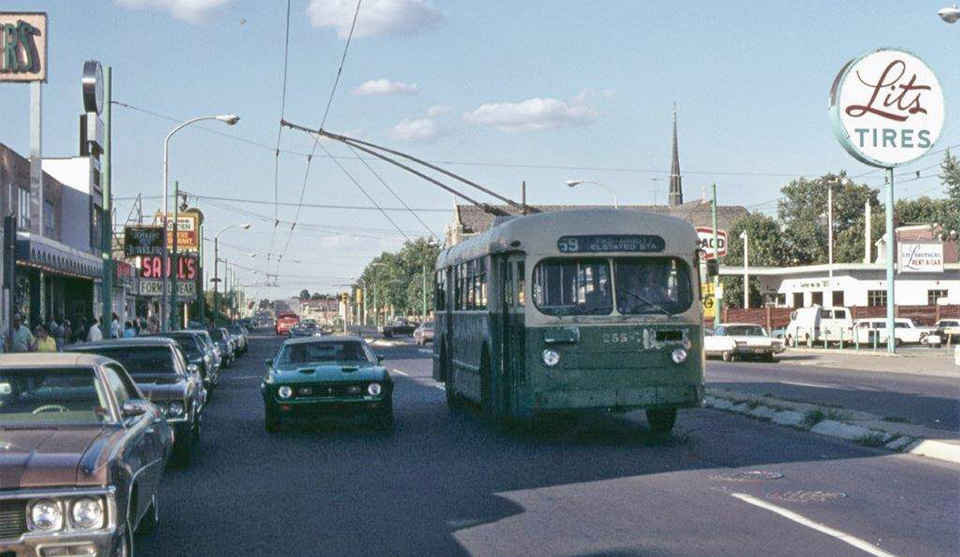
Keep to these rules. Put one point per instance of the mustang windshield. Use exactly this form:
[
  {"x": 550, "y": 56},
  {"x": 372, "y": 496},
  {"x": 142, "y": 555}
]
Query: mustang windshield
[
  {"x": 141, "y": 360},
  {"x": 321, "y": 352},
  {"x": 573, "y": 287},
  {"x": 652, "y": 285},
  {"x": 58, "y": 396}
]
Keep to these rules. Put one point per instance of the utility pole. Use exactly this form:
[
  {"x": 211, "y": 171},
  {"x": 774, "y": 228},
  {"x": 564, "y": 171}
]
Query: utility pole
[
  {"x": 175, "y": 266},
  {"x": 424, "y": 318},
  {"x": 216, "y": 280},
  {"x": 106, "y": 222},
  {"x": 718, "y": 301}
]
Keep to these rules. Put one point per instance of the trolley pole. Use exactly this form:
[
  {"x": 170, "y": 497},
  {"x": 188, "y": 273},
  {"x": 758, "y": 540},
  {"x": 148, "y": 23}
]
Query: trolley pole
[{"x": 717, "y": 301}]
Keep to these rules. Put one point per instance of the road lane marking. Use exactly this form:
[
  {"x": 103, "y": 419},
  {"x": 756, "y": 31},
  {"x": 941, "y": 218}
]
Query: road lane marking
[
  {"x": 403, "y": 373},
  {"x": 800, "y": 519},
  {"x": 441, "y": 387},
  {"x": 817, "y": 386}
]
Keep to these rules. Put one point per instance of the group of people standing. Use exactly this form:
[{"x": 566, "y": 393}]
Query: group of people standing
[{"x": 57, "y": 333}]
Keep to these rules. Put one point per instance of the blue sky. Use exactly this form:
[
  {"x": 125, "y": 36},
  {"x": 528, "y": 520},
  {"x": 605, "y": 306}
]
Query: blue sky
[{"x": 546, "y": 83}]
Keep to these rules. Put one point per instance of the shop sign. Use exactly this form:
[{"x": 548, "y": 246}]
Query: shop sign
[
  {"x": 154, "y": 287},
  {"x": 707, "y": 298},
  {"x": 23, "y": 46},
  {"x": 187, "y": 265},
  {"x": 705, "y": 241},
  {"x": 887, "y": 108},
  {"x": 921, "y": 257},
  {"x": 142, "y": 240},
  {"x": 188, "y": 238}
]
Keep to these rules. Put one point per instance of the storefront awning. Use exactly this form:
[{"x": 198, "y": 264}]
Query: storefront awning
[{"x": 54, "y": 257}]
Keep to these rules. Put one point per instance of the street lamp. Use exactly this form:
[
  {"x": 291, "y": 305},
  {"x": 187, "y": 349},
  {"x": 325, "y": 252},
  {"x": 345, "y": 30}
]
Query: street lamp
[
  {"x": 950, "y": 15},
  {"x": 229, "y": 119},
  {"x": 830, "y": 184},
  {"x": 216, "y": 261},
  {"x": 575, "y": 183},
  {"x": 746, "y": 269}
]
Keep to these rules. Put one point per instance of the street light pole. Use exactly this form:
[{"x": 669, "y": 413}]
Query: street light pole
[
  {"x": 574, "y": 183},
  {"x": 216, "y": 265},
  {"x": 746, "y": 269},
  {"x": 229, "y": 119}
]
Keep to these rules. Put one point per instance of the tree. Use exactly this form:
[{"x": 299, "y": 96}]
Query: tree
[
  {"x": 399, "y": 277},
  {"x": 766, "y": 250},
  {"x": 304, "y": 295},
  {"x": 318, "y": 296},
  {"x": 950, "y": 174},
  {"x": 803, "y": 213}
]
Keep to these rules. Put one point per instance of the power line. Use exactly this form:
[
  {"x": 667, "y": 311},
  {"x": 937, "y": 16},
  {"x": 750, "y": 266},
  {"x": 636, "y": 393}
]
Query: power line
[
  {"x": 200, "y": 197},
  {"x": 283, "y": 107}
]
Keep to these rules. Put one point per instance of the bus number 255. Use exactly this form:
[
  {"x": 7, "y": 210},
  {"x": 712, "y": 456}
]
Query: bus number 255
[{"x": 615, "y": 338}]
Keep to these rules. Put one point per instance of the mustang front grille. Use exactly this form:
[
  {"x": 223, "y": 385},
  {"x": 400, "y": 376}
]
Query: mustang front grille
[
  {"x": 13, "y": 519},
  {"x": 331, "y": 390}
]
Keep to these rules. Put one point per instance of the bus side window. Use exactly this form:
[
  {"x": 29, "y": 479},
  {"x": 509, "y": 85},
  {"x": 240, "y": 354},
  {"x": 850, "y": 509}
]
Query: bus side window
[
  {"x": 508, "y": 286},
  {"x": 439, "y": 294},
  {"x": 483, "y": 291},
  {"x": 521, "y": 280},
  {"x": 457, "y": 288}
]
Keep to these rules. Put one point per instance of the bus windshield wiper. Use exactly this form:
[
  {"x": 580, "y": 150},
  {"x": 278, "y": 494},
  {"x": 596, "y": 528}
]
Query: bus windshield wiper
[{"x": 657, "y": 307}]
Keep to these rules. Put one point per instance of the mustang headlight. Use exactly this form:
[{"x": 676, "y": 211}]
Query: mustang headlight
[
  {"x": 550, "y": 358},
  {"x": 285, "y": 392},
  {"x": 373, "y": 389},
  {"x": 45, "y": 514},
  {"x": 87, "y": 513},
  {"x": 678, "y": 356}
]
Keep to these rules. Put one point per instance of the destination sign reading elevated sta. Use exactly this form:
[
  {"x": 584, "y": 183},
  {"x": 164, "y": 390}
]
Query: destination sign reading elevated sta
[{"x": 617, "y": 242}]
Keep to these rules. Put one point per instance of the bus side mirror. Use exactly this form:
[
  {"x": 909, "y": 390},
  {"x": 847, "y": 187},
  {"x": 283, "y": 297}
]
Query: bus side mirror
[{"x": 713, "y": 268}]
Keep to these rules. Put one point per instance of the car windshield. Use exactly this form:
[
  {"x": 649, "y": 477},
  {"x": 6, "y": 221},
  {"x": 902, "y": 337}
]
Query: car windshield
[
  {"x": 652, "y": 285},
  {"x": 573, "y": 287},
  {"x": 57, "y": 396},
  {"x": 216, "y": 334},
  {"x": 744, "y": 331},
  {"x": 188, "y": 343},
  {"x": 322, "y": 352},
  {"x": 140, "y": 360}
]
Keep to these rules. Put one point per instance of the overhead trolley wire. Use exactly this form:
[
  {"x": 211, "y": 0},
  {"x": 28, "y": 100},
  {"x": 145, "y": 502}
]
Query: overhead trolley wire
[{"x": 283, "y": 107}]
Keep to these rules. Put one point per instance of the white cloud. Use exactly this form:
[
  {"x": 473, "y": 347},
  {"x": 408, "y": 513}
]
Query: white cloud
[
  {"x": 377, "y": 17},
  {"x": 385, "y": 87},
  {"x": 437, "y": 111},
  {"x": 192, "y": 11},
  {"x": 536, "y": 113},
  {"x": 419, "y": 130}
]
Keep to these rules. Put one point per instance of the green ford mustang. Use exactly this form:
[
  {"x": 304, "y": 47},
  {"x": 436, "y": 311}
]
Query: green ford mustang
[{"x": 313, "y": 378}]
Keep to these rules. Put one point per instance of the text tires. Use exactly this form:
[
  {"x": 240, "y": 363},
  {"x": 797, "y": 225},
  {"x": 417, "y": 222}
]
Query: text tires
[{"x": 661, "y": 421}]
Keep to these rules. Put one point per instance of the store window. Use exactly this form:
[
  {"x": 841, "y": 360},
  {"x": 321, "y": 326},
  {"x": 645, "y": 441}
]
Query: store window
[
  {"x": 877, "y": 298},
  {"x": 934, "y": 295},
  {"x": 23, "y": 209},
  {"x": 49, "y": 226}
]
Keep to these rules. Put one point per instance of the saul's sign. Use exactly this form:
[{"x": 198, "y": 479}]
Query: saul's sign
[
  {"x": 887, "y": 108},
  {"x": 23, "y": 46}
]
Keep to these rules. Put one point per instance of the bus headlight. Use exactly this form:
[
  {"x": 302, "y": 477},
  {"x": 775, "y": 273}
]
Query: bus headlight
[
  {"x": 550, "y": 358},
  {"x": 678, "y": 356},
  {"x": 285, "y": 392}
]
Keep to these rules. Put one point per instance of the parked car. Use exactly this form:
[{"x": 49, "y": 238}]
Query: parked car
[
  {"x": 948, "y": 329},
  {"x": 222, "y": 338},
  {"x": 397, "y": 327},
  {"x": 198, "y": 353},
  {"x": 211, "y": 346},
  {"x": 818, "y": 324},
  {"x": 305, "y": 329},
  {"x": 424, "y": 333},
  {"x": 239, "y": 336},
  {"x": 158, "y": 366},
  {"x": 83, "y": 453},
  {"x": 742, "y": 340},
  {"x": 905, "y": 331},
  {"x": 313, "y": 378}
]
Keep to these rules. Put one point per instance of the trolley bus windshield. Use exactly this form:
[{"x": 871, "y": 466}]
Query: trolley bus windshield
[{"x": 584, "y": 286}]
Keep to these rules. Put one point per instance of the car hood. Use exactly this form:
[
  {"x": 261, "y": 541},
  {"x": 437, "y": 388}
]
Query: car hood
[
  {"x": 344, "y": 372},
  {"x": 41, "y": 457}
]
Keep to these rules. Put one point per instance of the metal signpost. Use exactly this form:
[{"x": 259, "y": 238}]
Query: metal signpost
[{"x": 887, "y": 109}]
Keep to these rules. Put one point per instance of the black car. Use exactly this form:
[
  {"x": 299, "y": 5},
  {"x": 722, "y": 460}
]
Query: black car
[
  {"x": 159, "y": 368},
  {"x": 397, "y": 327},
  {"x": 222, "y": 338},
  {"x": 198, "y": 353}
]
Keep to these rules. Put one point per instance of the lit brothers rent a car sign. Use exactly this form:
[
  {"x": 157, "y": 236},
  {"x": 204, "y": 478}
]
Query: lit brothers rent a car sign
[
  {"x": 887, "y": 108},
  {"x": 23, "y": 46}
]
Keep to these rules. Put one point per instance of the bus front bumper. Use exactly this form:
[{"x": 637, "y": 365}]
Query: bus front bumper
[{"x": 618, "y": 400}]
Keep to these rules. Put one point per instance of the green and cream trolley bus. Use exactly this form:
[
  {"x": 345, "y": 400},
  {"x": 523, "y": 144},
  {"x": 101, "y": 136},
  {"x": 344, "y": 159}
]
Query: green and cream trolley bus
[{"x": 571, "y": 312}]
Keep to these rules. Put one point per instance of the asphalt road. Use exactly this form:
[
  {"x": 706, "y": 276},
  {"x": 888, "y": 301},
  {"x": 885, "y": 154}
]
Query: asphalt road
[
  {"x": 930, "y": 401},
  {"x": 445, "y": 484}
]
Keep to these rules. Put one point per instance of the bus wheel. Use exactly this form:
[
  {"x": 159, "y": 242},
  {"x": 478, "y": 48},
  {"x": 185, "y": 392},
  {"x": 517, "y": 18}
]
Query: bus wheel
[{"x": 661, "y": 421}]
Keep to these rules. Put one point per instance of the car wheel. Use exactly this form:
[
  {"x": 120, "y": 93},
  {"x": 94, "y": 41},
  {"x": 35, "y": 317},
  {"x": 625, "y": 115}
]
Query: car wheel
[
  {"x": 185, "y": 450},
  {"x": 728, "y": 356},
  {"x": 271, "y": 422},
  {"x": 769, "y": 358},
  {"x": 150, "y": 520},
  {"x": 661, "y": 421}
]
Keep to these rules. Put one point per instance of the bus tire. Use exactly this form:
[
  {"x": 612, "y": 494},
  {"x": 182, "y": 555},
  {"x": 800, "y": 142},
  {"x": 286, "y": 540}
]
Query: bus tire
[{"x": 661, "y": 421}]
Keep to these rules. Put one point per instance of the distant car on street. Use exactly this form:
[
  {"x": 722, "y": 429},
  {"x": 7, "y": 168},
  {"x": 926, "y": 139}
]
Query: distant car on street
[
  {"x": 284, "y": 322},
  {"x": 424, "y": 333},
  {"x": 313, "y": 378},
  {"x": 742, "y": 340},
  {"x": 905, "y": 331},
  {"x": 305, "y": 329},
  {"x": 397, "y": 327}
]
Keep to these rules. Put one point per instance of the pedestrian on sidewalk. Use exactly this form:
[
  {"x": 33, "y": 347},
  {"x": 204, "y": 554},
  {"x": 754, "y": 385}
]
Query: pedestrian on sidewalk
[
  {"x": 95, "y": 334},
  {"x": 22, "y": 337},
  {"x": 44, "y": 342}
]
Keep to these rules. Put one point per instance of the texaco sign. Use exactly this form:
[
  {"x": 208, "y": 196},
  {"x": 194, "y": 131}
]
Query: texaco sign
[{"x": 887, "y": 108}]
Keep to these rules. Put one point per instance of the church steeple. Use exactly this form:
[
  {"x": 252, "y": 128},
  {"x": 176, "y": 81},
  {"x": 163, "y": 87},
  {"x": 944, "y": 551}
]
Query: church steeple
[{"x": 676, "y": 186}]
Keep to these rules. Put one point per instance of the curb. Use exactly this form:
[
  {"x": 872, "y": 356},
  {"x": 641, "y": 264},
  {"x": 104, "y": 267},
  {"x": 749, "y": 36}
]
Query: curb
[{"x": 866, "y": 436}]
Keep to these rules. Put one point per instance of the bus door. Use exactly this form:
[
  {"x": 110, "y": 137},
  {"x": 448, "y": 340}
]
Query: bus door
[{"x": 511, "y": 329}]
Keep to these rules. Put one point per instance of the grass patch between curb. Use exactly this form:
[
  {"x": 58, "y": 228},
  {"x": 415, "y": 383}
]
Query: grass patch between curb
[
  {"x": 896, "y": 419},
  {"x": 812, "y": 418},
  {"x": 872, "y": 439}
]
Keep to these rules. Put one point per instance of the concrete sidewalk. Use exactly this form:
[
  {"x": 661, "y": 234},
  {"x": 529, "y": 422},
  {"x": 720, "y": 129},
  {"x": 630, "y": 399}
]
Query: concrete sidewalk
[{"x": 920, "y": 361}]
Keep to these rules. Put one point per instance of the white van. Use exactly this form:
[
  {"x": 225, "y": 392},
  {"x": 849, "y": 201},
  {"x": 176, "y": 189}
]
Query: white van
[{"x": 818, "y": 324}]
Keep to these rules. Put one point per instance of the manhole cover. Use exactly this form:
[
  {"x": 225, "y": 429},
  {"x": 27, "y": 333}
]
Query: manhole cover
[
  {"x": 747, "y": 476},
  {"x": 806, "y": 496}
]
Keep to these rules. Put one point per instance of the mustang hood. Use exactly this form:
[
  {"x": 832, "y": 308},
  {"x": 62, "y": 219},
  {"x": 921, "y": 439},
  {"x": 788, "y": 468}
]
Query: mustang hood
[
  {"x": 345, "y": 372},
  {"x": 38, "y": 457}
]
